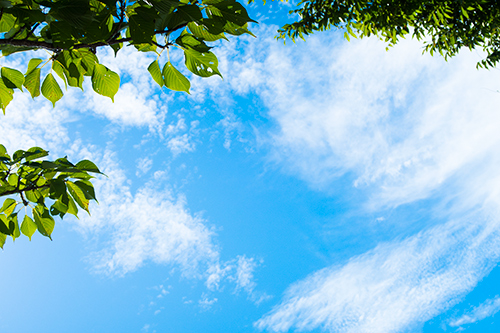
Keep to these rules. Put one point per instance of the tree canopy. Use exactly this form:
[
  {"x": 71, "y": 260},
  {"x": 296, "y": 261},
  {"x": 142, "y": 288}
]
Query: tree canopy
[
  {"x": 444, "y": 26},
  {"x": 72, "y": 31}
]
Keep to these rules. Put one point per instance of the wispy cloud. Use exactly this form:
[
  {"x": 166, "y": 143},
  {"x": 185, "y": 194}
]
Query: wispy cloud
[
  {"x": 406, "y": 127},
  {"x": 396, "y": 285},
  {"x": 129, "y": 228},
  {"x": 485, "y": 310}
]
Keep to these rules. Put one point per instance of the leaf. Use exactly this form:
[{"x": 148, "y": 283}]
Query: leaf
[
  {"x": 8, "y": 206},
  {"x": 105, "y": 81},
  {"x": 6, "y": 95},
  {"x": 233, "y": 12},
  {"x": 16, "y": 232},
  {"x": 7, "y": 226},
  {"x": 87, "y": 189},
  {"x": 78, "y": 195},
  {"x": 190, "y": 13},
  {"x": 28, "y": 227},
  {"x": 142, "y": 25},
  {"x": 32, "y": 82},
  {"x": 57, "y": 188},
  {"x": 89, "y": 60},
  {"x": 116, "y": 47},
  {"x": 34, "y": 153},
  {"x": 44, "y": 222},
  {"x": 86, "y": 165},
  {"x": 3, "y": 238},
  {"x": 13, "y": 179},
  {"x": 200, "y": 32},
  {"x": 174, "y": 79},
  {"x": 33, "y": 63},
  {"x": 12, "y": 78},
  {"x": 51, "y": 89},
  {"x": 187, "y": 40},
  {"x": 59, "y": 69},
  {"x": 201, "y": 64},
  {"x": 155, "y": 71}
]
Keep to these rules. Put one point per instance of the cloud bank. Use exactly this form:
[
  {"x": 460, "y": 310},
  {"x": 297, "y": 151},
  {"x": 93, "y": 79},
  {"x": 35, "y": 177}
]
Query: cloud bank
[{"x": 407, "y": 127}]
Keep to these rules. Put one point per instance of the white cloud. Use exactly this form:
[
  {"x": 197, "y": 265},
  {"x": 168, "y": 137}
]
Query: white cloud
[
  {"x": 485, "y": 310},
  {"x": 180, "y": 144},
  {"x": 396, "y": 285},
  {"x": 406, "y": 127},
  {"x": 144, "y": 165}
]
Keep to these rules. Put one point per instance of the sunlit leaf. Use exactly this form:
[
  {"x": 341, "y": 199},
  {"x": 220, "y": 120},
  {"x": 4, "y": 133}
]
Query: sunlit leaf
[
  {"x": 105, "y": 81},
  {"x": 155, "y": 71},
  {"x": 12, "y": 78},
  {"x": 28, "y": 227},
  {"x": 51, "y": 89},
  {"x": 174, "y": 79},
  {"x": 78, "y": 195}
]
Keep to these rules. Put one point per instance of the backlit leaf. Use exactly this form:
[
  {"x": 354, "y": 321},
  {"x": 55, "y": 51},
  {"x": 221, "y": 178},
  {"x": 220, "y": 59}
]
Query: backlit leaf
[
  {"x": 201, "y": 64},
  {"x": 32, "y": 82},
  {"x": 174, "y": 79},
  {"x": 28, "y": 227},
  {"x": 105, "y": 81},
  {"x": 155, "y": 71},
  {"x": 12, "y": 78},
  {"x": 51, "y": 89},
  {"x": 78, "y": 195}
]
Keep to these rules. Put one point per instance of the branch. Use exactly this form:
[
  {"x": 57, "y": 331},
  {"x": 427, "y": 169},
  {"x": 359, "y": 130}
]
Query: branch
[
  {"x": 29, "y": 188},
  {"x": 51, "y": 47}
]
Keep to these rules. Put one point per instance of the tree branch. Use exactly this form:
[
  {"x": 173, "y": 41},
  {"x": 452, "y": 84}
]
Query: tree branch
[{"x": 51, "y": 47}]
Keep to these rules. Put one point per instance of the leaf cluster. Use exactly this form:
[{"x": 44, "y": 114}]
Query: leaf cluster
[
  {"x": 445, "y": 26},
  {"x": 72, "y": 30},
  {"x": 46, "y": 188}
]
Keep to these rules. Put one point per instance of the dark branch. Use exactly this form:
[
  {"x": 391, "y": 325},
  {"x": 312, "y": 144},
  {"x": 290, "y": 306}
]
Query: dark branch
[
  {"x": 21, "y": 191},
  {"x": 51, "y": 47}
]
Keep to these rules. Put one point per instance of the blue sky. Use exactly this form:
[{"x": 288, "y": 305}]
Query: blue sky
[{"x": 321, "y": 186}]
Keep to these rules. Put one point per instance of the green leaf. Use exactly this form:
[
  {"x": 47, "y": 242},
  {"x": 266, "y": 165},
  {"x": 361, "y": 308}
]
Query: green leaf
[
  {"x": 155, "y": 71},
  {"x": 190, "y": 13},
  {"x": 8, "y": 206},
  {"x": 201, "y": 64},
  {"x": 13, "y": 179},
  {"x": 32, "y": 82},
  {"x": 89, "y": 59},
  {"x": 59, "y": 69},
  {"x": 200, "y": 32},
  {"x": 6, "y": 95},
  {"x": 12, "y": 78},
  {"x": 86, "y": 165},
  {"x": 233, "y": 12},
  {"x": 28, "y": 227},
  {"x": 105, "y": 81},
  {"x": 7, "y": 226},
  {"x": 72, "y": 208},
  {"x": 51, "y": 89},
  {"x": 174, "y": 79},
  {"x": 57, "y": 188},
  {"x": 44, "y": 222},
  {"x": 34, "y": 153},
  {"x": 142, "y": 25},
  {"x": 87, "y": 189},
  {"x": 33, "y": 63},
  {"x": 116, "y": 47},
  {"x": 78, "y": 195},
  {"x": 187, "y": 40},
  {"x": 16, "y": 232},
  {"x": 3, "y": 238}
]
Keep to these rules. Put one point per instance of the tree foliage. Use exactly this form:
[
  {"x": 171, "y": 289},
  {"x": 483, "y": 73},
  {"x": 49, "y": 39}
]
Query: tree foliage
[
  {"x": 36, "y": 183},
  {"x": 71, "y": 31},
  {"x": 445, "y": 26}
]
